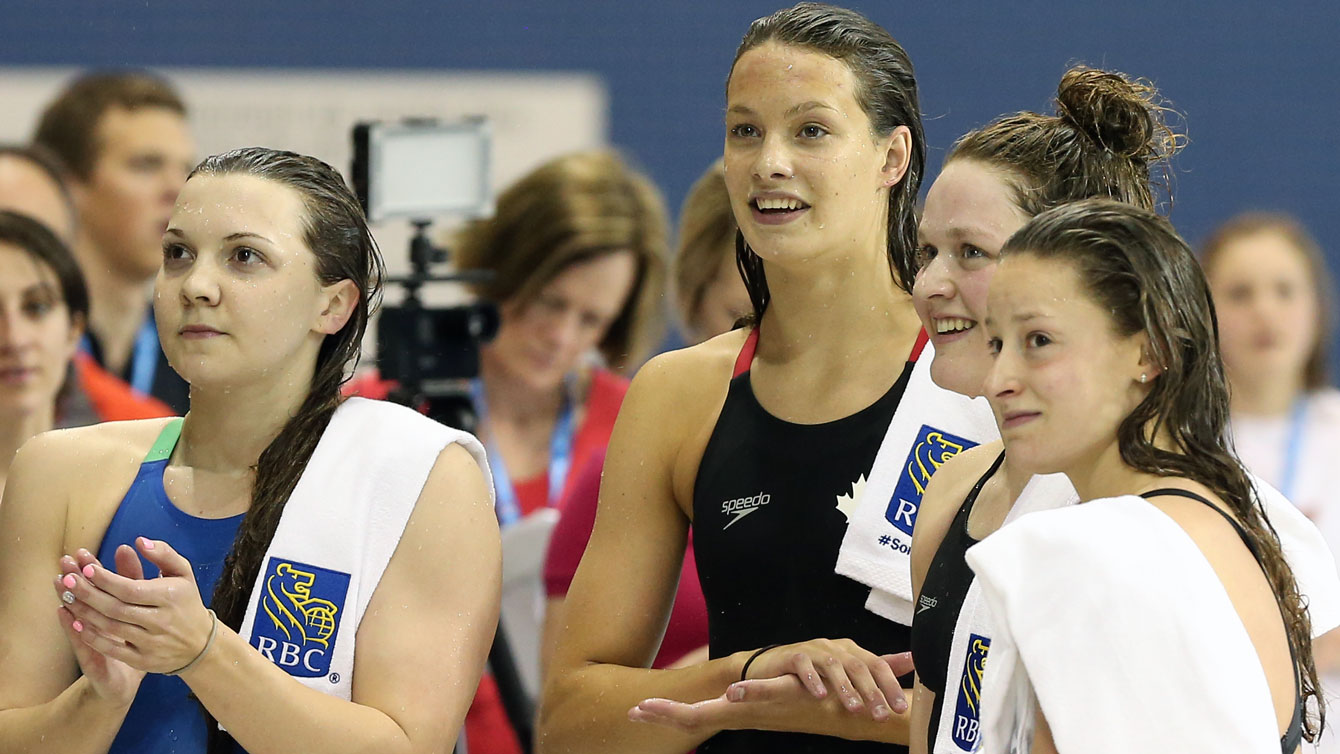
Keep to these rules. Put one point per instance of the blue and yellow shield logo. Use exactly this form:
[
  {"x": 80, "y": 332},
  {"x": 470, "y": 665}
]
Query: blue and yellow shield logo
[
  {"x": 299, "y": 615},
  {"x": 967, "y": 712},
  {"x": 932, "y": 449}
]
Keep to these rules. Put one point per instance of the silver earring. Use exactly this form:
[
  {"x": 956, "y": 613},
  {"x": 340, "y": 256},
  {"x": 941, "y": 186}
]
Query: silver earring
[{"x": 1143, "y": 378}]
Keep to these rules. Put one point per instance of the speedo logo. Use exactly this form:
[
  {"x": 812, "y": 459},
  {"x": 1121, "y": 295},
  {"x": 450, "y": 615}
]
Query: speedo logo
[{"x": 743, "y": 506}]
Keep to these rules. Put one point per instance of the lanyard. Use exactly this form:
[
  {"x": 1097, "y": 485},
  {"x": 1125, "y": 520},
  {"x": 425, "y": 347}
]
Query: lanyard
[
  {"x": 143, "y": 356},
  {"x": 560, "y": 453},
  {"x": 1293, "y": 448}
]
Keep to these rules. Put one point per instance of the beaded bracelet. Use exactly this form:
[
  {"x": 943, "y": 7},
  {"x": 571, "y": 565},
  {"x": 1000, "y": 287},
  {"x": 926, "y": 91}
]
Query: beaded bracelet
[
  {"x": 745, "y": 670},
  {"x": 213, "y": 629}
]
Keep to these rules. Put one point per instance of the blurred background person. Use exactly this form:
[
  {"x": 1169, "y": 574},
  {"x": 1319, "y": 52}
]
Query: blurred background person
[
  {"x": 709, "y": 295},
  {"x": 577, "y": 249},
  {"x": 1272, "y": 292},
  {"x": 31, "y": 182},
  {"x": 709, "y": 298},
  {"x": 123, "y": 139},
  {"x": 43, "y": 308},
  {"x": 1273, "y": 295}
]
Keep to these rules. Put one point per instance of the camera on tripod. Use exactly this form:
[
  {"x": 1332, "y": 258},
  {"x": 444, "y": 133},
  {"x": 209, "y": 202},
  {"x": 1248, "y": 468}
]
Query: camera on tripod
[{"x": 418, "y": 169}]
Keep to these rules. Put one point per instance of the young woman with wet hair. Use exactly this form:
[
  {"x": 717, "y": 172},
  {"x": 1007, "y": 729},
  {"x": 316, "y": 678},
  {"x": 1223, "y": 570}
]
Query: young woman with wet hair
[
  {"x": 1108, "y": 138},
  {"x": 755, "y": 436},
  {"x": 1160, "y": 614},
  {"x": 276, "y": 545}
]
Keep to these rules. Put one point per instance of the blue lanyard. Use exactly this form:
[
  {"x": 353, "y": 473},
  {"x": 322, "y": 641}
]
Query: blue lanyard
[
  {"x": 560, "y": 454},
  {"x": 1293, "y": 448},
  {"x": 143, "y": 356}
]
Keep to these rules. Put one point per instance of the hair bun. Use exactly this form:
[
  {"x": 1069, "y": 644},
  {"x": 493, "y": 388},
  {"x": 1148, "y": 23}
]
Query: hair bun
[{"x": 1119, "y": 114}]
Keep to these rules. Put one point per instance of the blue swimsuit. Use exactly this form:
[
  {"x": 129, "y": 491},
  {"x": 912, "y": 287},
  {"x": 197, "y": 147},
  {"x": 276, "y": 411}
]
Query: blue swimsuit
[{"x": 163, "y": 719}]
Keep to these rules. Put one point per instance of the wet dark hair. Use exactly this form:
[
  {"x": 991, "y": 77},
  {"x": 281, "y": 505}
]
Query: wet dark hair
[
  {"x": 42, "y": 244},
  {"x": 337, "y": 233},
  {"x": 886, "y": 89},
  {"x": 1108, "y": 139},
  {"x": 1135, "y": 266},
  {"x": 1316, "y": 372},
  {"x": 69, "y": 125}
]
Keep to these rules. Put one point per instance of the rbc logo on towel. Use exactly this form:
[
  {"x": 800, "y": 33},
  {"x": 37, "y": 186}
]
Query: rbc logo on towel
[
  {"x": 966, "y": 713},
  {"x": 299, "y": 616},
  {"x": 931, "y": 450}
]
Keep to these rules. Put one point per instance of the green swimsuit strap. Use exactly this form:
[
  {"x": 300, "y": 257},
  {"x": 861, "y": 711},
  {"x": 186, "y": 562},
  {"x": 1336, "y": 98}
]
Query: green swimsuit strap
[{"x": 167, "y": 440}]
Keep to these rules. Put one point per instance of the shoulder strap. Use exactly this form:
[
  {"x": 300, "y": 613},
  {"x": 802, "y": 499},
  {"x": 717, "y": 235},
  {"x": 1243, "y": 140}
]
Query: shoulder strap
[
  {"x": 746, "y": 357},
  {"x": 919, "y": 346},
  {"x": 167, "y": 440}
]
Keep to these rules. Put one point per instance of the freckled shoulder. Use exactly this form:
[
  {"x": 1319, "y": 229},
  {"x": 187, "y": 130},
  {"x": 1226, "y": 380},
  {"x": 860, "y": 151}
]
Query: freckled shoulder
[{"x": 88, "y": 470}]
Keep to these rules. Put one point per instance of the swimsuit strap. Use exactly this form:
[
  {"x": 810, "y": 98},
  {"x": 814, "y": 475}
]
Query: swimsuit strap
[{"x": 167, "y": 440}]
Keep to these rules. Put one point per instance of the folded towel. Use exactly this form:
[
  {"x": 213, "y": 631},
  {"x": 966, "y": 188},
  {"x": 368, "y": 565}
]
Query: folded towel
[
  {"x": 337, "y": 534},
  {"x": 931, "y": 426}
]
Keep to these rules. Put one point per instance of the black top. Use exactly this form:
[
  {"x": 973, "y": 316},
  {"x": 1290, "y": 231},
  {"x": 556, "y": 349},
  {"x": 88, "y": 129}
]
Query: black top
[
  {"x": 168, "y": 386},
  {"x": 941, "y": 601},
  {"x": 1292, "y": 737},
  {"x": 768, "y": 519}
]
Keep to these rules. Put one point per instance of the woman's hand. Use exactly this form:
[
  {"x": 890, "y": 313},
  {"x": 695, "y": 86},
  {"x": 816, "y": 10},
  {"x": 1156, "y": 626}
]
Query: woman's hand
[
  {"x": 862, "y": 679},
  {"x": 111, "y": 679},
  {"x": 152, "y": 625},
  {"x": 741, "y": 706}
]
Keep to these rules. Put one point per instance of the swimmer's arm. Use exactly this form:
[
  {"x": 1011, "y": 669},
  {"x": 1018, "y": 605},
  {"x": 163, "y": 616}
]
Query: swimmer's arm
[
  {"x": 923, "y": 701},
  {"x": 421, "y": 645},
  {"x": 619, "y": 601},
  {"x": 45, "y": 705}
]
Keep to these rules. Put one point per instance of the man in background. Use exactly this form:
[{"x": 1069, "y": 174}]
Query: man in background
[{"x": 124, "y": 141}]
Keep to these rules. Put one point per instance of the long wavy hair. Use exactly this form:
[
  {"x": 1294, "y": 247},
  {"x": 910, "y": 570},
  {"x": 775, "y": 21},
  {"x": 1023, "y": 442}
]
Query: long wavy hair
[
  {"x": 336, "y": 231},
  {"x": 1136, "y": 267},
  {"x": 886, "y": 89}
]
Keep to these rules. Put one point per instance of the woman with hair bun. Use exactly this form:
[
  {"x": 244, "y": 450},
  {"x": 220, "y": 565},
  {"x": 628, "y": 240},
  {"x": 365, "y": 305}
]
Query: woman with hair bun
[
  {"x": 282, "y": 570},
  {"x": 1108, "y": 139},
  {"x": 1160, "y": 613}
]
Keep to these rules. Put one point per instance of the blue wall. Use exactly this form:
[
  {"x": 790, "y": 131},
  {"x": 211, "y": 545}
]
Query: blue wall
[{"x": 1258, "y": 84}]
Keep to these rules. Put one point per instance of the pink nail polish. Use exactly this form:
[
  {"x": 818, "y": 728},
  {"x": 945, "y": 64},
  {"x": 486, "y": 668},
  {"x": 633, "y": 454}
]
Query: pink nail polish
[
  {"x": 88, "y": 571},
  {"x": 78, "y": 627},
  {"x": 148, "y": 543},
  {"x": 69, "y": 581}
]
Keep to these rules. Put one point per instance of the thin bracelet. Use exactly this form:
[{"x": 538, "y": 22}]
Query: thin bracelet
[
  {"x": 745, "y": 670},
  {"x": 213, "y": 629}
]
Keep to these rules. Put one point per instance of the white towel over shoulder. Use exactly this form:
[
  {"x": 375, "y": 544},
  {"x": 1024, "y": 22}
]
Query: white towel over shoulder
[
  {"x": 337, "y": 534},
  {"x": 1112, "y": 615},
  {"x": 930, "y": 426}
]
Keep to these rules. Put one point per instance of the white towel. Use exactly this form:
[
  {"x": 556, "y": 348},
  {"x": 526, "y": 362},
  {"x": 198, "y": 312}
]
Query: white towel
[
  {"x": 930, "y": 426},
  {"x": 1303, "y": 545},
  {"x": 337, "y": 534},
  {"x": 1122, "y": 657}
]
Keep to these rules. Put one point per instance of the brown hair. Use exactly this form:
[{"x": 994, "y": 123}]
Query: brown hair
[
  {"x": 886, "y": 89},
  {"x": 1107, "y": 136},
  {"x": 1136, "y": 267},
  {"x": 336, "y": 232},
  {"x": 1316, "y": 373},
  {"x": 706, "y": 227},
  {"x": 43, "y": 245},
  {"x": 69, "y": 125},
  {"x": 574, "y": 209}
]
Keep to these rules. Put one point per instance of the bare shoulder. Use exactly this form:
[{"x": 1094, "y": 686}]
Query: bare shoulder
[
  {"x": 692, "y": 371},
  {"x": 85, "y": 471},
  {"x": 952, "y": 482}
]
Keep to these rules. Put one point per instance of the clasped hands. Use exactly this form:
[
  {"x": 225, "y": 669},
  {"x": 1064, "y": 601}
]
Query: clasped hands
[
  {"x": 806, "y": 672},
  {"x": 122, "y": 625}
]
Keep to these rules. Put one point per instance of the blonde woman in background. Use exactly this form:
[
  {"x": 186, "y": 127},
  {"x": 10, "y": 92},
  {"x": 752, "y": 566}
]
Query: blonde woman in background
[{"x": 1273, "y": 293}]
